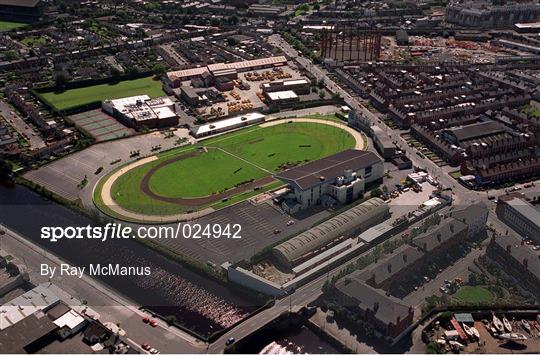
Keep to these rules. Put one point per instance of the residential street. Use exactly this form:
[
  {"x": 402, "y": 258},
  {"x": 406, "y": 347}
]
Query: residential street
[{"x": 22, "y": 127}]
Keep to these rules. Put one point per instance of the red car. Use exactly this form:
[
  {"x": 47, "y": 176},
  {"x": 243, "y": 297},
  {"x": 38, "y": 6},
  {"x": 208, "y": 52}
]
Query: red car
[
  {"x": 153, "y": 323},
  {"x": 146, "y": 320},
  {"x": 145, "y": 346}
]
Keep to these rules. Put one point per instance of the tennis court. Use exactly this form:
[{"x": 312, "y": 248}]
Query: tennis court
[{"x": 100, "y": 125}]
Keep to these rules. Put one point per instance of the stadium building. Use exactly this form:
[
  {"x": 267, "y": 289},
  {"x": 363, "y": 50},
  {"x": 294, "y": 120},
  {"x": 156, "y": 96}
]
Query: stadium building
[
  {"x": 327, "y": 234},
  {"x": 342, "y": 178},
  {"x": 142, "y": 111}
]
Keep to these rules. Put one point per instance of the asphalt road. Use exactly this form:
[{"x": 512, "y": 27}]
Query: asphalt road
[{"x": 301, "y": 297}]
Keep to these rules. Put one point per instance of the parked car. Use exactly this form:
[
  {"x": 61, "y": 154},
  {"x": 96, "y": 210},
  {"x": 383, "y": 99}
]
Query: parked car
[
  {"x": 230, "y": 341},
  {"x": 145, "y": 346},
  {"x": 153, "y": 323}
]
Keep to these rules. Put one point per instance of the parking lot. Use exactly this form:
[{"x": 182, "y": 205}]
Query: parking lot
[
  {"x": 259, "y": 225},
  {"x": 409, "y": 201},
  {"x": 64, "y": 175}
]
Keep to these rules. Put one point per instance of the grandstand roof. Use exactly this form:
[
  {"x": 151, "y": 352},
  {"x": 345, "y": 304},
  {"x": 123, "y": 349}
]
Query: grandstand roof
[{"x": 329, "y": 168}]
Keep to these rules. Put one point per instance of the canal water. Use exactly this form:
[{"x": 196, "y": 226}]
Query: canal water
[
  {"x": 198, "y": 303},
  {"x": 292, "y": 340}
]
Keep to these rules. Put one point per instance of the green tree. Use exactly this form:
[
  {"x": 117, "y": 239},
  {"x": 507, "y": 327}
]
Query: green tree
[
  {"x": 159, "y": 70},
  {"x": 376, "y": 193},
  {"x": 61, "y": 79},
  {"x": 434, "y": 348}
]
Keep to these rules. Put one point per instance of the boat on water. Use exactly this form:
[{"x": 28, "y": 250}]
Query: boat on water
[
  {"x": 475, "y": 332},
  {"x": 498, "y": 324},
  {"x": 467, "y": 329},
  {"x": 513, "y": 336},
  {"x": 507, "y": 325},
  {"x": 526, "y": 325}
]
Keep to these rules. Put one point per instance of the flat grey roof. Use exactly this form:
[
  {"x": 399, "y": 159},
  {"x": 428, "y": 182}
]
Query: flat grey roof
[
  {"x": 477, "y": 130},
  {"x": 525, "y": 209}
]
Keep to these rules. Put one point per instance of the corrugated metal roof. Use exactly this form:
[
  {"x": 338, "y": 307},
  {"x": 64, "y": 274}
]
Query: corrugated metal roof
[{"x": 326, "y": 232}]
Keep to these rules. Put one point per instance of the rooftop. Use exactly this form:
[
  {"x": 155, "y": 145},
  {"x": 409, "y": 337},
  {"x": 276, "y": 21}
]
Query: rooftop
[
  {"x": 14, "y": 339},
  {"x": 243, "y": 65},
  {"x": 477, "y": 130},
  {"x": 248, "y": 118},
  {"x": 39, "y": 298},
  {"x": 387, "y": 309},
  {"x": 524, "y": 208},
  {"x": 329, "y": 168}
]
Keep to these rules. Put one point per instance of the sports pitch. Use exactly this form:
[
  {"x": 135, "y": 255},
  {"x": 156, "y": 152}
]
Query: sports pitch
[
  {"x": 85, "y": 95},
  {"x": 225, "y": 167}
]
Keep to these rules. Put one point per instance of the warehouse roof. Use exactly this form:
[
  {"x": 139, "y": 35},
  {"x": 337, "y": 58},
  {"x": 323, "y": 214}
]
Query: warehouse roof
[
  {"x": 477, "y": 130},
  {"x": 282, "y": 95},
  {"x": 39, "y": 298},
  {"x": 243, "y": 65},
  {"x": 15, "y": 338},
  {"x": 329, "y": 168},
  {"x": 322, "y": 234}
]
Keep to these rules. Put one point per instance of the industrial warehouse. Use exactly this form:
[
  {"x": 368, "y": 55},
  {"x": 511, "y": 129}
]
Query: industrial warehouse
[
  {"x": 229, "y": 70},
  {"x": 331, "y": 232},
  {"x": 142, "y": 111}
]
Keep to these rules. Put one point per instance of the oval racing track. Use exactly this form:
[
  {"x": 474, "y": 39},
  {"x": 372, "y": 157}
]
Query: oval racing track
[{"x": 120, "y": 212}]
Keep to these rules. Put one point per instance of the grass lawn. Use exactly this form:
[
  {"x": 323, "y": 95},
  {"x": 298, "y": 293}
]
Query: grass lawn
[
  {"x": 455, "y": 174},
  {"x": 80, "y": 96},
  {"x": 34, "y": 41},
  {"x": 531, "y": 111},
  {"x": 474, "y": 294},
  {"x": 294, "y": 143},
  {"x": 196, "y": 176},
  {"x": 7, "y": 25},
  {"x": 214, "y": 171}
]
